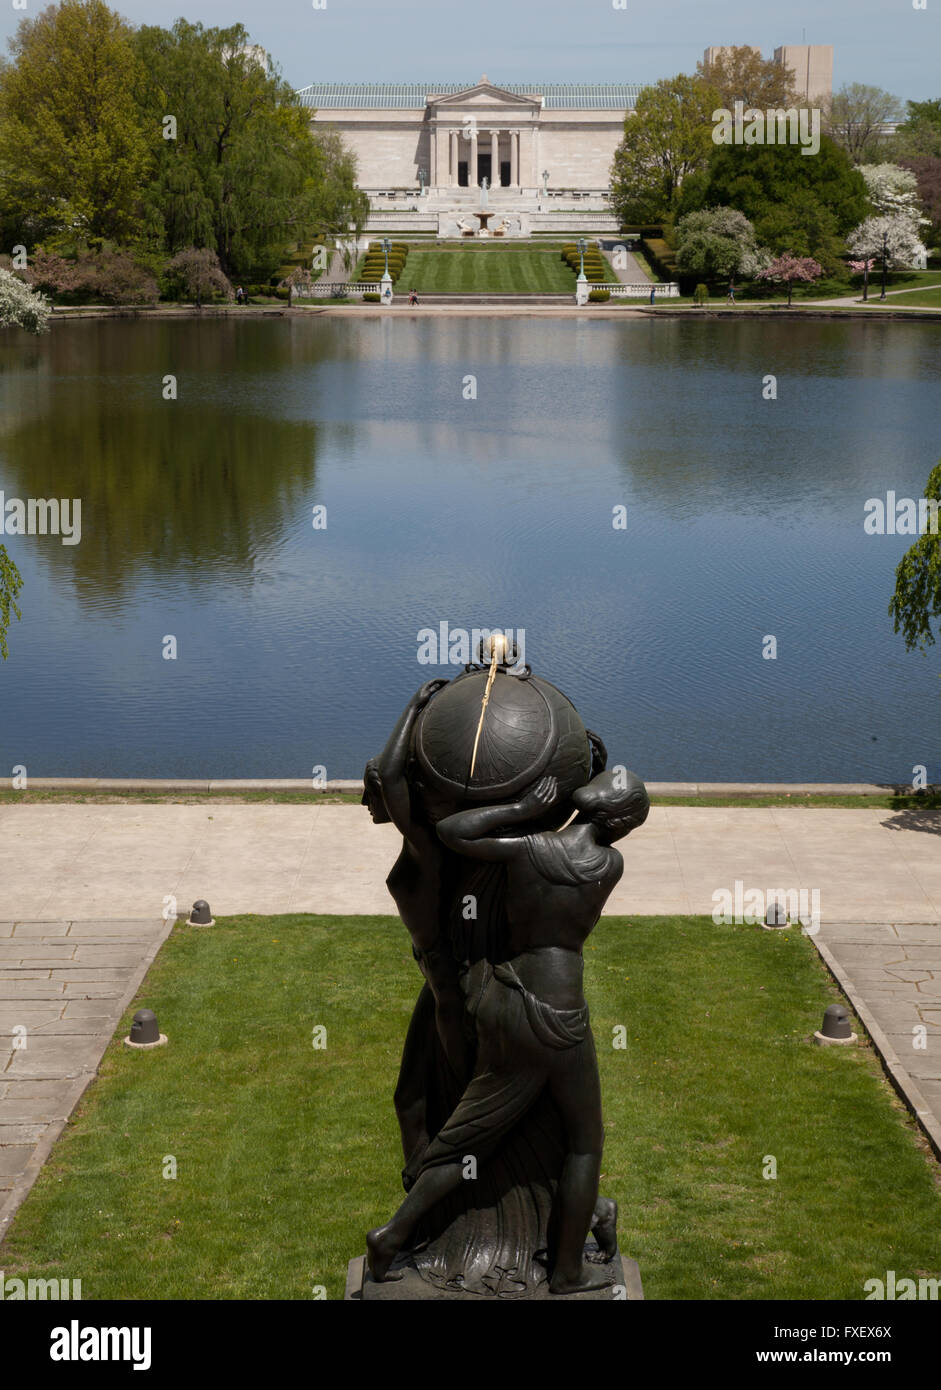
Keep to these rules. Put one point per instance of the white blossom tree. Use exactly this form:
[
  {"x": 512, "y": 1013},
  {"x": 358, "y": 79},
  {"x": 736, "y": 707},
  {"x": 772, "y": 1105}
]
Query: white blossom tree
[
  {"x": 891, "y": 240},
  {"x": 893, "y": 192},
  {"x": 21, "y": 307}
]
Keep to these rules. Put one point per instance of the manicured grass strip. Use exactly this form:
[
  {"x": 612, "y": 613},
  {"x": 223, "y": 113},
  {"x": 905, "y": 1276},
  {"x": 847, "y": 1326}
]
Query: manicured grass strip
[
  {"x": 908, "y": 299},
  {"x": 286, "y": 1154},
  {"x": 925, "y": 801},
  {"x": 183, "y": 798},
  {"x": 494, "y": 271}
]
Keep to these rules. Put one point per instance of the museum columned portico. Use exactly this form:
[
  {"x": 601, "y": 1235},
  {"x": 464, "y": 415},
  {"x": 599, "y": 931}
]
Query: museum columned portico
[
  {"x": 433, "y": 141},
  {"x": 477, "y": 154}
]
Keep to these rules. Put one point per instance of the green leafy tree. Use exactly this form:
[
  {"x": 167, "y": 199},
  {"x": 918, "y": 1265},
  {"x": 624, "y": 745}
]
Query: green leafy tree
[
  {"x": 741, "y": 74},
  {"x": 10, "y": 585},
  {"x": 238, "y": 169},
  {"x": 73, "y": 154},
  {"x": 667, "y": 139},
  {"x": 804, "y": 225},
  {"x": 718, "y": 242},
  {"x": 800, "y": 203},
  {"x": 20, "y": 307},
  {"x": 917, "y": 597},
  {"x": 927, "y": 171},
  {"x": 919, "y": 135},
  {"x": 854, "y": 117}
]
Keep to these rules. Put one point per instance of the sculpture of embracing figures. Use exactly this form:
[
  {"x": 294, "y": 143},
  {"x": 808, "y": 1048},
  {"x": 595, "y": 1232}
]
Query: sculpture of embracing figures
[{"x": 509, "y": 822}]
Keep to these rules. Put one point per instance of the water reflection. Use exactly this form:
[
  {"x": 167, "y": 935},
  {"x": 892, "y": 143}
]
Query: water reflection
[{"x": 744, "y": 518}]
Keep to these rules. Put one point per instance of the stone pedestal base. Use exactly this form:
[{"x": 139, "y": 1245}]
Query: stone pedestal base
[{"x": 360, "y": 1287}]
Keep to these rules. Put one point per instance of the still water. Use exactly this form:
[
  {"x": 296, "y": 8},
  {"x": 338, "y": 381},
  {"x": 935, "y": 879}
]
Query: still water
[{"x": 298, "y": 646}]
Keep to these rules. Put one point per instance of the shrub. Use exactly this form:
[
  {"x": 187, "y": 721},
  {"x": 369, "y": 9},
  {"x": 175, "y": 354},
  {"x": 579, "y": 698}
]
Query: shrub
[
  {"x": 197, "y": 273},
  {"x": 370, "y": 298},
  {"x": 109, "y": 274},
  {"x": 120, "y": 280},
  {"x": 661, "y": 257},
  {"x": 598, "y": 296},
  {"x": 701, "y": 294}
]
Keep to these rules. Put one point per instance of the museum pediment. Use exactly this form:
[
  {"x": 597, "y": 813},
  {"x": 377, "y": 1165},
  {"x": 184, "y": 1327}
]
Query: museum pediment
[{"x": 484, "y": 93}]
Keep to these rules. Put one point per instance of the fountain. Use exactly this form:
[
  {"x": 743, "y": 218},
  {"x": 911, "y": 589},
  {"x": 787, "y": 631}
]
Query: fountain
[{"x": 483, "y": 214}]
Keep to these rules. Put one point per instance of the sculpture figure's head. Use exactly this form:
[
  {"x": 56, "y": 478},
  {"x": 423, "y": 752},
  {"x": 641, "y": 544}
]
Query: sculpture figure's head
[
  {"x": 372, "y": 793},
  {"x": 616, "y": 802}
]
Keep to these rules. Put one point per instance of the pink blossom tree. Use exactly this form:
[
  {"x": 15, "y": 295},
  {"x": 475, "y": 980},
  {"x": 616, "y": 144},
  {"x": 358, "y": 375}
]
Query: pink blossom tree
[{"x": 787, "y": 269}]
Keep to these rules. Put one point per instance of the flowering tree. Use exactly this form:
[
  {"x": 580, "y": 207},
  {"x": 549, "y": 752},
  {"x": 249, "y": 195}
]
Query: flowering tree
[
  {"x": 891, "y": 240},
  {"x": 719, "y": 242},
  {"x": 788, "y": 269},
  {"x": 21, "y": 307},
  {"x": 107, "y": 274},
  {"x": 300, "y": 281},
  {"x": 893, "y": 192},
  {"x": 198, "y": 273}
]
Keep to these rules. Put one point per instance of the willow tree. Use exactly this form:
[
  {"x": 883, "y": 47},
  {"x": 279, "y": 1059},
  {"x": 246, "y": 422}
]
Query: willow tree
[
  {"x": 10, "y": 585},
  {"x": 238, "y": 170},
  {"x": 917, "y": 597}
]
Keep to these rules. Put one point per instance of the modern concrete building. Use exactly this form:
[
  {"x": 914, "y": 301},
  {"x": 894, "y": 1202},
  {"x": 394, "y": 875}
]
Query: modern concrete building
[{"x": 810, "y": 66}]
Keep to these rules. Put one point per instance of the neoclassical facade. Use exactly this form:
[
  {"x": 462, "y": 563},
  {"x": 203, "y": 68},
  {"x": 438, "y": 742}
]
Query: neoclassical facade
[{"x": 526, "y": 137}]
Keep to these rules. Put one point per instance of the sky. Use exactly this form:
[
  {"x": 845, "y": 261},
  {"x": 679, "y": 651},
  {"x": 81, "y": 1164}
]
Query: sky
[{"x": 885, "y": 43}]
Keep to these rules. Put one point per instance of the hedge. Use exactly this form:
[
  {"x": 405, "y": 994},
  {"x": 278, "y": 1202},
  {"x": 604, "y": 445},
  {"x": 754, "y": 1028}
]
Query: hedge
[
  {"x": 661, "y": 257},
  {"x": 598, "y": 296}
]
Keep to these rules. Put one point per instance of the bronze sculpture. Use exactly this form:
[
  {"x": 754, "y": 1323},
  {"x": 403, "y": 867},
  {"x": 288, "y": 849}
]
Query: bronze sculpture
[{"x": 508, "y": 821}]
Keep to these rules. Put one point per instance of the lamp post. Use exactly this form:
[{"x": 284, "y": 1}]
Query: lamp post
[
  {"x": 885, "y": 256},
  {"x": 545, "y": 183},
  {"x": 385, "y": 294},
  {"x": 581, "y": 284},
  {"x": 422, "y": 175}
]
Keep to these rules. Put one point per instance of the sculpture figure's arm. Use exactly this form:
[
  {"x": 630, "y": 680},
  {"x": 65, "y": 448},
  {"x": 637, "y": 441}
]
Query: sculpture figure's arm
[
  {"x": 392, "y": 761},
  {"x": 472, "y": 832}
]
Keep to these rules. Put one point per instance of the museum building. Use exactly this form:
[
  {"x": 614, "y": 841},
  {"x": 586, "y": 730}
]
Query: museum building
[{"x": 528, "y": 137}]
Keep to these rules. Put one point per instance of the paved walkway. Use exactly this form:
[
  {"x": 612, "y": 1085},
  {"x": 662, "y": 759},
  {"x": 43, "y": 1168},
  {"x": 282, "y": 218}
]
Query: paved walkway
[
  {"x": 633, "y": 271},
  {"x": 83, "y": 888},
  {"x": 74, "y": 860},
  {"x": 63, "y": 988}
]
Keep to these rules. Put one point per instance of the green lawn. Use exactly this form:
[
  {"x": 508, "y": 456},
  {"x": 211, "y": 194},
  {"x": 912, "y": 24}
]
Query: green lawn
[
  {"x": 286, "y": 1154},
  {"x": 918, "y": 801},
  {"x": 925, "y": 299},
  {"x": 496, "y": 270}
]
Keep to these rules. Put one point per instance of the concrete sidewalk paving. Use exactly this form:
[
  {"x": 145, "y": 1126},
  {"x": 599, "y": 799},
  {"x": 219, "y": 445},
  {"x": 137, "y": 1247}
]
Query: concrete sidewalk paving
[
  {"x": 63, "y": 989},
  {"x": 73, "y": 860}
]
